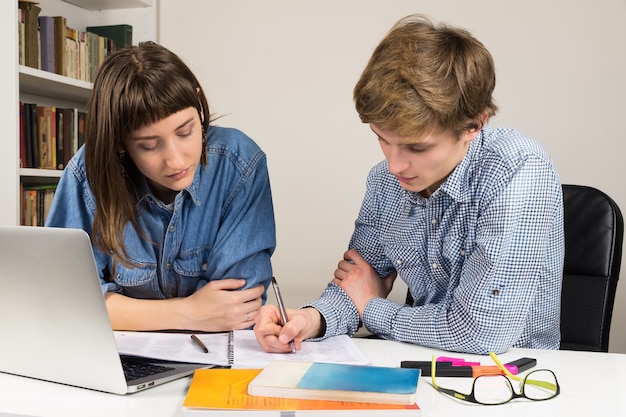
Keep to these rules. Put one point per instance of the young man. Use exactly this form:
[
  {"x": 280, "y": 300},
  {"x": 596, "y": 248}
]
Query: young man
[{"x": 469, "y": 217}]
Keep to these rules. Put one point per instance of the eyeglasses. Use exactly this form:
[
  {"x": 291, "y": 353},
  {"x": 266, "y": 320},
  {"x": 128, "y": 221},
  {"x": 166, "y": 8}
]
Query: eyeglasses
[{"x": 537, "y": 385}]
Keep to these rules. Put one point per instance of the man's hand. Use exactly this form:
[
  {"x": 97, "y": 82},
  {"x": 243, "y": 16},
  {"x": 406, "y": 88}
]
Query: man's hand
[
  {"x": 273, "y": 337},
  {"x": 359, "y": 280}
]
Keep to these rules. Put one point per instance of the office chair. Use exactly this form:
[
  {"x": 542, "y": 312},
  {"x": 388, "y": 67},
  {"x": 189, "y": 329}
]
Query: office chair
[{"x": 594, "y": 231}]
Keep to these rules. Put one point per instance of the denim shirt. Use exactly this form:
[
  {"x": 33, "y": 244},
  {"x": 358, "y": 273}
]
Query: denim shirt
[
  {"x": 482, "y": 256},
  {"x": 221, "y": 226}
]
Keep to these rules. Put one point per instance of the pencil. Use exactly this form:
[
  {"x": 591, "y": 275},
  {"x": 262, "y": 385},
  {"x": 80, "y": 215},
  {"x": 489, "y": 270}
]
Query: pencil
[{"x": 198, "y": 342}]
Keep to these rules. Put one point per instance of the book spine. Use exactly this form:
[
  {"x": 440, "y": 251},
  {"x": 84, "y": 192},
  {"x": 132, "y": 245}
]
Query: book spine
[
  {"x": 31, "y": 33},
  {"x": 23, "y": 152},
  {"x": 47, "y": 136},
  {"x": 34, "y": 135},
  {"x": 60, "y": 33},
  {"x": 21, "y": 36},
  {"x": 46, "y": 34}
]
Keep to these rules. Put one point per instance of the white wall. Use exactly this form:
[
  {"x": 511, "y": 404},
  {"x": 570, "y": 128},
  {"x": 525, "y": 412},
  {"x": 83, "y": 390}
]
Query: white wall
[
  {"x": 283, "y": 72},
  {"x": 8, "y": 109}
]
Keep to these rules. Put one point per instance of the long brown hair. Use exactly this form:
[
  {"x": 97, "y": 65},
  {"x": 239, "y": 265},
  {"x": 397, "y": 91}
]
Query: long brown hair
[{"x": 134, "y": 87}]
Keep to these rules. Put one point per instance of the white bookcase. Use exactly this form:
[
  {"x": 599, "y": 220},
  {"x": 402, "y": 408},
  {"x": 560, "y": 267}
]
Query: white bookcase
[{"x": 32, "y": 85}]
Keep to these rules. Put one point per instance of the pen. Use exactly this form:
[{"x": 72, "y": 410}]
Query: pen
[
  {"x": 281, "y": 307},
  {"x": 198, "y": 342}
]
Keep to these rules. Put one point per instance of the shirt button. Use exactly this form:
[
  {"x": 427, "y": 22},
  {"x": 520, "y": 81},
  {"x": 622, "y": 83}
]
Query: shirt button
[
  {"x": 172, "y": 227},
  {"x": 398, "y": 261},
  {"x": 204, "y": 266},
  {"x": 168, "y": 265},
  {"x": 495, "y": 293},
  {"x": 462, "y": 252},
  {"x": 435, "y": 266},
  {"x": 433, "y": 221}
]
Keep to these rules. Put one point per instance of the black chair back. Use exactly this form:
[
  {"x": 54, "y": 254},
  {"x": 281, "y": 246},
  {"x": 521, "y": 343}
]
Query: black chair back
[{"x": 594, "y": 230}]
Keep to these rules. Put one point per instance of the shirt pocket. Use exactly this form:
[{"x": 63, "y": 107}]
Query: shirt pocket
[
  {"x": 193, "y": 264},
  {"x": 453, "y": 249},
  {"x": 403, "y": 257},
  {"x": 134, "y": 277}
]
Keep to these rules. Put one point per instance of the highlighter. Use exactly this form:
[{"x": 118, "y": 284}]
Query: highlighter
[{"x": 455, "y": 368}]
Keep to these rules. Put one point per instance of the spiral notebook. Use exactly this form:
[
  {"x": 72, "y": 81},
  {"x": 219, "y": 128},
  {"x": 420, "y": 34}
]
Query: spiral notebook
[{"x": 236, "y": 349}]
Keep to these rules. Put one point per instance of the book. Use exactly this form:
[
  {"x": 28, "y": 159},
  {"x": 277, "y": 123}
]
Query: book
[
  {"x": 60, "y": 130},
  {"x": 21, "y": 39},
  {"x": 47, "y": 42},
  {"x": 122, "y": 34},
  {"x": 23, "y": 143},
  {"x": 60, "y": 35},
  {"x": 31, "y": 32},
  {"x": 66, "y": 134},
  {"x": 31, "y": 133},
  {"x": 93, "y": 55},
  {"x": 334, "y": 381},
  {"x": 81, "y": 117},
  {"x": 224, "y": 392},
  {"x": 71, "y": 53},
  {"x": 29, "y": 207},
  {"x": 237, "y": 349},
  {"x": 47, "y": 137}
]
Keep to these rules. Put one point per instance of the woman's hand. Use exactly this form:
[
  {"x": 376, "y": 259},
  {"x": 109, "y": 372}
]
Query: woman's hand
[{"x": 218, "y": 306}]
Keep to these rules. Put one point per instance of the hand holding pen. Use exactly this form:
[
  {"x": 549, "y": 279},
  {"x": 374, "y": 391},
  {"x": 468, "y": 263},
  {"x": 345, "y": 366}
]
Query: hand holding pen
[{"x": 281, "y": 307}]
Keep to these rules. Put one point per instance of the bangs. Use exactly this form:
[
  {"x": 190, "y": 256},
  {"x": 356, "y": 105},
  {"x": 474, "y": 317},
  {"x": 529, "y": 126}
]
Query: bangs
[{"x": 146, "y": 101}]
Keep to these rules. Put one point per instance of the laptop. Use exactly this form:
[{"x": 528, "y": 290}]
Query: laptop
[{"x": 53, "y": 320}]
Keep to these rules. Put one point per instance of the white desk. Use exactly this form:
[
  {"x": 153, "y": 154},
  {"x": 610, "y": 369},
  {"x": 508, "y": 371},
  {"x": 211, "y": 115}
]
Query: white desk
[{"x": 592, "y": 384}]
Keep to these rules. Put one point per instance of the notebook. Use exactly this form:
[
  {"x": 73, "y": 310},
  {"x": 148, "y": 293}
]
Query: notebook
[{"x": 53, "y": 319}]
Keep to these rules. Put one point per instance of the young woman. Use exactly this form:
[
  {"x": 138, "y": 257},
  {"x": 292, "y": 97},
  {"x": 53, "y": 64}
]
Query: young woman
[{"x": 179, "y": 210}]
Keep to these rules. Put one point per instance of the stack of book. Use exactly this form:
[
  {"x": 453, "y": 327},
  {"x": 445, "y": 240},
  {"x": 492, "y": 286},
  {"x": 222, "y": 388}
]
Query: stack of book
[
  {"x": 49, "y": 44},
  {"x": 304, "y": 388},
  {"x": 36, "y": 202},
  {"x": 49, "y": 135}
]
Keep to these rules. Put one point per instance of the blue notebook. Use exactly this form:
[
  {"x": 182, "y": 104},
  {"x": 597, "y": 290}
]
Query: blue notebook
[{"x": 336, "y": 382}]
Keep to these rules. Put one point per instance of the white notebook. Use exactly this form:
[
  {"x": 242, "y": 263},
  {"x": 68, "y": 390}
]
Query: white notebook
[{"x": 238, "y": 349}]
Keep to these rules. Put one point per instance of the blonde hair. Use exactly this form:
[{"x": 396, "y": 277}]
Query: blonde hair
[{"x": 422, "y": 76}]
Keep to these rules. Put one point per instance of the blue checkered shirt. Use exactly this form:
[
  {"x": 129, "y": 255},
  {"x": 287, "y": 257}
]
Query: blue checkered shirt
[{"x": 482, "y": 257}]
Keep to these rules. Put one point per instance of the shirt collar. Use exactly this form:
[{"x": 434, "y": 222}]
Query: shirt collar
[
  {"x": 144, "y": 190},
  {"x": 457, "y": 183}
]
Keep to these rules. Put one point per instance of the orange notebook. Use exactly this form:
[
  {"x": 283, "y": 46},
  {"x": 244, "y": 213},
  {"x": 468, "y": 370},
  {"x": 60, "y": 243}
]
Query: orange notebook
[{"x": 216, "y": 390}]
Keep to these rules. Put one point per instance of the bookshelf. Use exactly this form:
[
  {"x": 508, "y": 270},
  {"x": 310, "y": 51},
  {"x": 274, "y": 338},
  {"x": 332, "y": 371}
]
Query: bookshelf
[{"x": 46, "y": 88}]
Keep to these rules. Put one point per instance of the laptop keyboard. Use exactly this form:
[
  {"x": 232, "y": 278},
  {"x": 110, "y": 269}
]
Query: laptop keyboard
[{"x": 135, "y": 368}]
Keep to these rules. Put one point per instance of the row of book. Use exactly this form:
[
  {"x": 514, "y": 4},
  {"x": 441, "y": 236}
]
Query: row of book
[
  {"x": 49, "y": 135},
  {"x": 35, "y": 203},
  {"x": 47, "y": 43}
]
